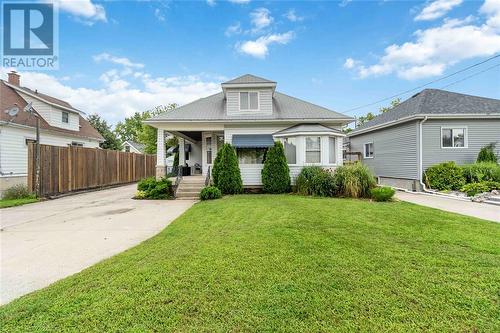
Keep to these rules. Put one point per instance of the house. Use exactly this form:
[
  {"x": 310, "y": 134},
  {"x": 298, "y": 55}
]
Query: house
[
  {"x": 60, "y": 125},
  {"x": 250, "y": 114},
  {"x": 133, "y": 147},
  {"x": 431, "y": 127}
]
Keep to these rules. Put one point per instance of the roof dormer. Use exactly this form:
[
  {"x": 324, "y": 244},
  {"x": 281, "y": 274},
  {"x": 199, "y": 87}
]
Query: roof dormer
[{"x": 249, "y": 95}]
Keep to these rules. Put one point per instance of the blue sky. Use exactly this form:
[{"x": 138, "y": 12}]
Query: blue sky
[{"x": 124, "y": 56}]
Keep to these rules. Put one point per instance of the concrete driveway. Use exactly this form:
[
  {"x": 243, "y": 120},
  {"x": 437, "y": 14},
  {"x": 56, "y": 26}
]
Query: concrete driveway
[{"x": 47, "y": 241}]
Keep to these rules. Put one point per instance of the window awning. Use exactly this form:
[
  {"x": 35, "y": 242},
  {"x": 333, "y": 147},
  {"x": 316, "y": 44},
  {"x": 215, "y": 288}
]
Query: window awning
[{"x": 253, "y": 140}]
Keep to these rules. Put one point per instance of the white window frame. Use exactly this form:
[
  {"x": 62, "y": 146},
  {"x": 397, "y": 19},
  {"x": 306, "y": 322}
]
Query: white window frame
[
  {"x": 466, "y": 136},
  {"x": 62, "y": 117},
  {"x": 296, "y": 149},
  {"x": 335, "y": 156},
  {"x": 372, "y": 151},
  {"x": 320, "y": 150},
  {"x": 248, "y": 92},
  {"x": 76, "y": 144}
]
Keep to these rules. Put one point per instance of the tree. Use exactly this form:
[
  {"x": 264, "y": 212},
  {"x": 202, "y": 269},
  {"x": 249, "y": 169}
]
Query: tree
[
  {"x": 363, "y": 119},
  {"x": 487, "y": 154},
  {"x": 394, "y": 103},
  {"x": 275, "y": 173},
  {"x": 226, "y": 171},
  {"x": 369, "y": 116},
  {"x": 133, "y": 128},
  {"x": 110, "y": 139}
]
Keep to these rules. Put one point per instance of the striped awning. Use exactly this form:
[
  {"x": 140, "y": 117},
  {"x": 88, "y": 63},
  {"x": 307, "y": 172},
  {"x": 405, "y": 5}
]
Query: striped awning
[{"x": 253, "y": 140}]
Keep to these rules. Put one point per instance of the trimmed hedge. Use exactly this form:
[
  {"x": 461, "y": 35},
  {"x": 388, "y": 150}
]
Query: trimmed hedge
[
  {"x": 275, "y": 173},
  {"x": 354, "y": 181},
  {"x": 445, "y": 176},
  {"x": 226, "y": 171},
  {"x": 382, "y": 193},
  {"x": 210, "y": 193},
  {"x": 150, "y": 188}
]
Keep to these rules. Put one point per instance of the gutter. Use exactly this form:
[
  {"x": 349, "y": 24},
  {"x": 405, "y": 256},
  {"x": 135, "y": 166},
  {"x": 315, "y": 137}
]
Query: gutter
[
  {"x": 420, "y": 155},
  {"x": 50, "y": 131}
]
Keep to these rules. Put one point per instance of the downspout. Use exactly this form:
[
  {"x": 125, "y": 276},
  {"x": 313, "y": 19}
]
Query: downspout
[{"x": 420, "y": 155}]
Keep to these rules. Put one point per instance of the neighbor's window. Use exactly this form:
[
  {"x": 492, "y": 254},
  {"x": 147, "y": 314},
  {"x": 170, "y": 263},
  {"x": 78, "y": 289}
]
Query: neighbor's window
[
  {"x": 28, "y": 141},
  {"x": 331, "y": 151},
  {"x": 368, "y": 150},
  {"x": 249, "y": 100},
  {"x": 313, "y": 149},
  {"x": 208, "y": 142},
  {"x": 127, "y": 149},
  {"x": 251, "y": 155},
  {"x": 290, "y": 145},
  {"x": 77, "y": 144},
  {"x": 453, "y": 137},
  {"x": 65, "y": 117}
]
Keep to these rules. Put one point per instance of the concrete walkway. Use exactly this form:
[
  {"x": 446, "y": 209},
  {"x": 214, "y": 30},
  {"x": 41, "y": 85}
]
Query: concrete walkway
[
  {"x": 479, "y": 210},
  {"x": 47, "y": 241}
]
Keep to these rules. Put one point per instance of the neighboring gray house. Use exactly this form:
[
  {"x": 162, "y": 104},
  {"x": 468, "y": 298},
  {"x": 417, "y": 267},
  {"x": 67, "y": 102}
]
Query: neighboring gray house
[
  {"x": 431, "y": 127},
  {"x": 133, "y": 147},
  {"x": 250, "y": 114}
]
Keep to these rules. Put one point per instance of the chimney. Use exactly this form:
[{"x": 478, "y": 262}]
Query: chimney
[{"x": 14, "y": 78}]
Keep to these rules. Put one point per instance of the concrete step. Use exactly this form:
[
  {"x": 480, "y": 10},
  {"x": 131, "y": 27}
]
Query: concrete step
[
  {"x": 188, "y": 198},
  {"x": 188, "y": 193},
  {"x": 181, "y": 185}
]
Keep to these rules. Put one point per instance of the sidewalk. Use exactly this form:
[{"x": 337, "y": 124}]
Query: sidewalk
[{"x": 474, "y": 209}]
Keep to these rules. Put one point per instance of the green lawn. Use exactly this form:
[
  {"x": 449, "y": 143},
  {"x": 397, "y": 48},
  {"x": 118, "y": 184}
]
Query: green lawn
[
  {"x": 4, "y": 203},
  {"x": 286, "y": 263}
]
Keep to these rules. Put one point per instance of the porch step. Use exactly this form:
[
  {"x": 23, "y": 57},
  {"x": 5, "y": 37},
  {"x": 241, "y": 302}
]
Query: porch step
[
  {"x": 190, "y": 187},
  {"x": 188, "y": 198}
]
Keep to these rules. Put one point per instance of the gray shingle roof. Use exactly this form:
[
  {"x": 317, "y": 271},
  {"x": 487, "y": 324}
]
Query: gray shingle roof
[
  {"x": 212, "y": 108},
  {"x": 436, "y": 102},
  {"x": 248, "y": 78},
  {"x": 139, "y": 146},
  {"x": 310, "y": 128}
]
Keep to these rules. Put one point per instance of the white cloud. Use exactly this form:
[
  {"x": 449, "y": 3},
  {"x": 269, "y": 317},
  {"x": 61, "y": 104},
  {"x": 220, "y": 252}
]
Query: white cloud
[
  {"x": 123, "y": 95},
  {"x": 234, "y": 29},
  {"x": 350, "y": 63},
  {"x": 292, "y": 16},
  {"x": 437, "y": 9},
  {"x": 260, "y": 18},
  {"x": 344, "y": 3},
  {"x": 259, "y": 48},
  {"x": 211, "y": 3},
  {"x": 240, "y": 2},
  {"x": 159, "y": 14},
  {"x": 84, "y": 10},
  {"x": 437, "y": 48},
  {"x": 117, "y": 60}
]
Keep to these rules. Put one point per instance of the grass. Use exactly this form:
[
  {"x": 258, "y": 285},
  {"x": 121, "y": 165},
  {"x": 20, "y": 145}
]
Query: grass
[
  {"x": 285, "y": 263},
  {"x": 5, "y": 203}
]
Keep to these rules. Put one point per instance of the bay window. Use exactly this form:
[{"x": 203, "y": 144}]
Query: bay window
[
  {"x": 313, "y": 149},
  {"x": 331, "y": 151},
  {"x": 290, "y": 146}
]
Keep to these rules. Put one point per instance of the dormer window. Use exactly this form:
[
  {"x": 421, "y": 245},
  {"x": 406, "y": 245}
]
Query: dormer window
[
  {"x": 65, "y": 117},
  {"x": 249, "y": 100}
]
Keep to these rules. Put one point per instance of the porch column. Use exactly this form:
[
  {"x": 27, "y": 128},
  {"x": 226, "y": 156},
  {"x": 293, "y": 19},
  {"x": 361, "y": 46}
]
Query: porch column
[
  {"x": 161, "y": 170},
  {"x": 182, "y": 156}
]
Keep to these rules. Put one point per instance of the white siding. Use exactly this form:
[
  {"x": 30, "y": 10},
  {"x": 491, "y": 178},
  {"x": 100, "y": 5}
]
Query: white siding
[
  {"x": 14, "y": 151},
  {"x": 53, "y": 115},
  {"x": 265, "y": 102}
]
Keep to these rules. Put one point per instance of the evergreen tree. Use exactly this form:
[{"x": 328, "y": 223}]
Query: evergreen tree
[
  {"x": 226, "y": 171},
  {"x": 110, "y": 139},
  {"x": 276, "y": 174}
]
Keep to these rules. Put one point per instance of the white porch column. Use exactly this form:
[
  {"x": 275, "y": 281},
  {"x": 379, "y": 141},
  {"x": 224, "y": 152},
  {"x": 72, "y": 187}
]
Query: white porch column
[
  {"x": 161, "y": 170},
  {"x": 182, "y": 156}
]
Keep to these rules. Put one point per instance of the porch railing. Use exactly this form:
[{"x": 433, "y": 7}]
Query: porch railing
[
  {"x": 207, "y": 178},
  {"x": 178, "y": 180}
]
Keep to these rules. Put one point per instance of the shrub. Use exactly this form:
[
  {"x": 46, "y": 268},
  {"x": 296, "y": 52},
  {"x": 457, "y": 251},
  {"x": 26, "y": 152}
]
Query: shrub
[
  {"x": 383, "y": 193},
  {"x": 155, "y": 189},
  {"x": 18, "y": 191},
  {"x": 140, "y": 195},
  {"x": 275, "y": 173},
  {"x": 354, "y": 180},
  {"x": 492, "y": 185},
  {"x": 474, "y": 188},
  {"x": 226, "y": 171},
  {"x": 444, "y": 176},
  {"x": 487, "y": 154},
  {"x": 210, "y": 193},
  {"x": 304, "y": 181},
  {"x": 478, "y": 172},
  {"x": 323, "y": 184}
]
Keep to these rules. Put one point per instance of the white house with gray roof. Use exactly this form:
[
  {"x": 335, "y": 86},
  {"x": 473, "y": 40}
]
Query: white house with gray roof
[
  {"x": 250, "y": 114},
  {"x": 431, "y": 127}
]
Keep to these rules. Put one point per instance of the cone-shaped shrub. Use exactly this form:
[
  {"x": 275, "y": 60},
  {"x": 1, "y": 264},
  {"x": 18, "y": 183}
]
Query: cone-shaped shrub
[
  {"x": 226, "y": 171},
  {"x": 276, "y": 174}
]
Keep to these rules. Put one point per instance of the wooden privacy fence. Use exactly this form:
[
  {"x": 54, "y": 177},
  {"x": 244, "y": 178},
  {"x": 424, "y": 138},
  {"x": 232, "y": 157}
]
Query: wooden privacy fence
[{"x": 66, "y": 169}]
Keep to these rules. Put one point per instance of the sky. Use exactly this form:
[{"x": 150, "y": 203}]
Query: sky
[{"x": 119, "y": 57}]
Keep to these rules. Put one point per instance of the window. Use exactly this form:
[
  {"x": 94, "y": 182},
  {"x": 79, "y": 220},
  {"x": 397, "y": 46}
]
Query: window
[
  {"x": 313, "y": 149},
  {"x": 368, "y": 153},
  {"x": 249, "y": 100},
  {"x": 186, "y": 156},
  {"x": 251, "y": 155},
  {"x": 65, "y": 117},
  {"x": 127, "y": 149},
  {"x": 77, "y": 144},
  {"x": 28, "y": 141},
  {"x": 290, "y": 146},
  {"x": 208, "y": 143},
  {"x": 453, "y": 137},
  {"x": 331, "y": 151}
]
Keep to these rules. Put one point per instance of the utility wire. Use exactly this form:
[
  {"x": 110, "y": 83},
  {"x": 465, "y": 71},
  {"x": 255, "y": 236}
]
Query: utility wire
[
  {"x": 470, "y": 76},
  {"x": 423, "y": 85}
]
